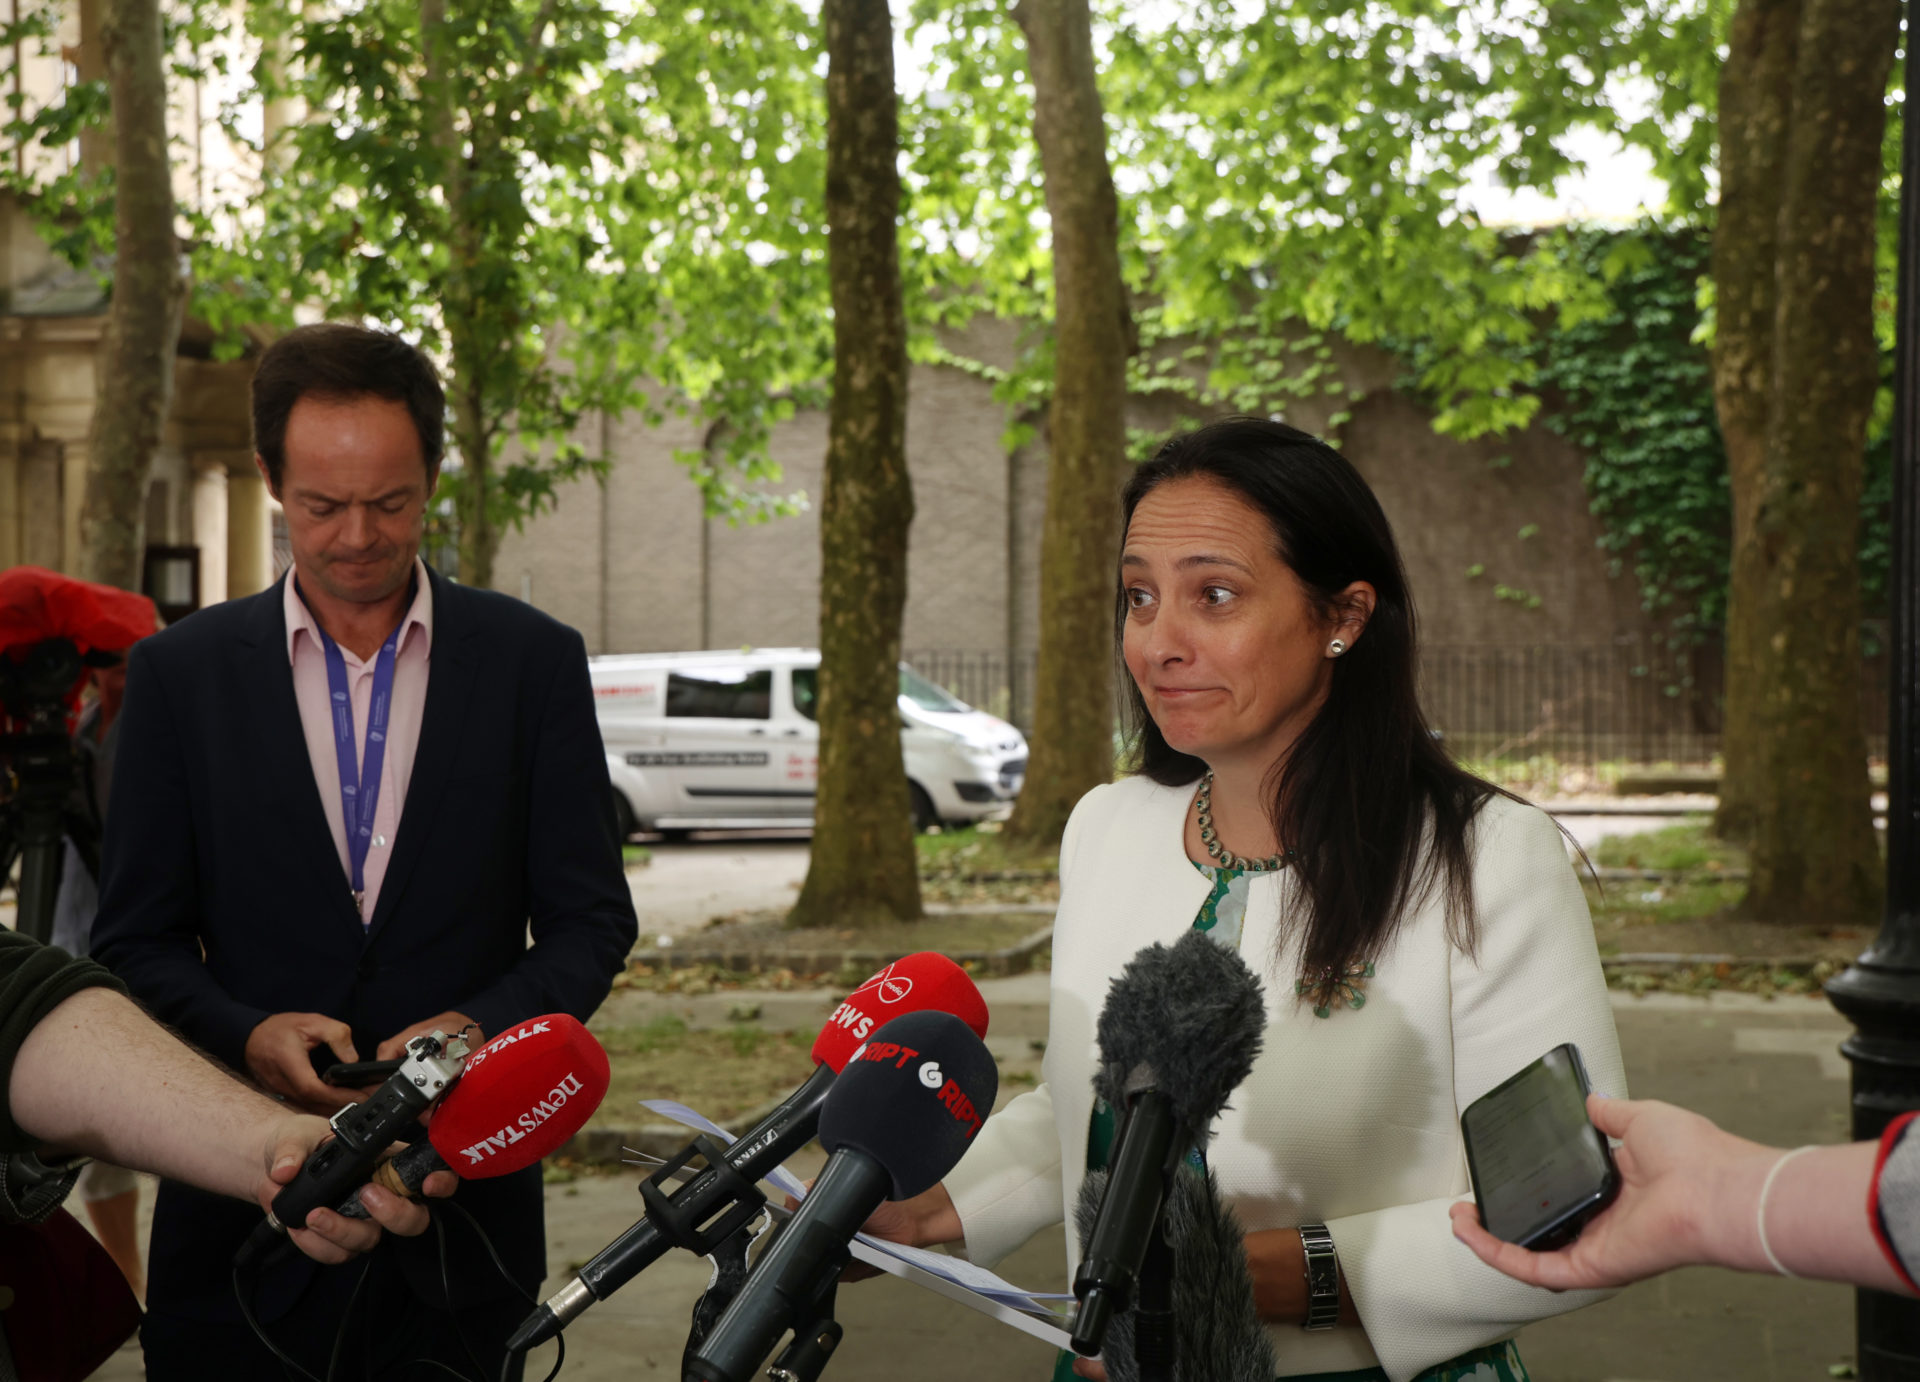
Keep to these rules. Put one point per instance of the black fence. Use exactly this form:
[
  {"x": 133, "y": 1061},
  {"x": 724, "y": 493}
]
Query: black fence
[
  {"x": 993, "y": 682},
  {"x": 1631, "y": 702}
]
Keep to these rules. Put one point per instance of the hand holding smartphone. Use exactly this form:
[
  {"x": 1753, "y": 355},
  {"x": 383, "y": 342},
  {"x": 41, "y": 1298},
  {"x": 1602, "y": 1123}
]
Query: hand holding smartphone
[
  {"x": 1540, "y": 1169},
  {"x": 361, "y": 1073}
]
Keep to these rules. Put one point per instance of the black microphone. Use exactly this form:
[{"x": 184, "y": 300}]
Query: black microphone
[
  {"x": 1218, "y": 1336},
  {"x": 1180, "y": 1030},
  {"x": 720, "y": 1197},
  {"x": 898, "y": 1119},
  {"x": 361, "y": 1135}
]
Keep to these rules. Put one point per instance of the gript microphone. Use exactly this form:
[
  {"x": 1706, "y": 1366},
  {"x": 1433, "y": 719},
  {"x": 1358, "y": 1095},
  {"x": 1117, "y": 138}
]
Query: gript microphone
[
  {"x": 898, "y": 1119},
  {"x": 523, "y": 1095},
  {"x": 1180, "y": 1030},
  {"x": 719, "y": 1193},
  {"x": 1218, "y": 1336}
]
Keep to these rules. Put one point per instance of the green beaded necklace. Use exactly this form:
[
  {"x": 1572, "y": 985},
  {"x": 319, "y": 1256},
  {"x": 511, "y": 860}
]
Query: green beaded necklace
[{"x": 1226, "y": 858}]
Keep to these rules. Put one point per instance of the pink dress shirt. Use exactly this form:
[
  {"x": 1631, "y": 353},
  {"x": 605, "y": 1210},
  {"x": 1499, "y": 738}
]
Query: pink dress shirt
[{"x": 410, "y": 665}]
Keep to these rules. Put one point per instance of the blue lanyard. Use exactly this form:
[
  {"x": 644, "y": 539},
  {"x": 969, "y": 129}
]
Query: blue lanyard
[{"x": 360, "y": 786}]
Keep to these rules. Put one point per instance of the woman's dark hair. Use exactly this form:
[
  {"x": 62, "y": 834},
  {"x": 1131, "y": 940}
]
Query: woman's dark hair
[
  {"x": 1366, "y": 781},
  {"x": 333, "y": 360}
]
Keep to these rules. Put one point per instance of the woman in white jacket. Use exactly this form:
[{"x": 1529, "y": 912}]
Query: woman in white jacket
[{"x": 1420, "y": 934}]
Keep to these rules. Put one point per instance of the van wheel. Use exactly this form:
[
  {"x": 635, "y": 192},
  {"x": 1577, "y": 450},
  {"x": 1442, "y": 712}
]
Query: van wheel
[
  {"x": 923, "y": 817},
  {"x": 623, "y": 818}
]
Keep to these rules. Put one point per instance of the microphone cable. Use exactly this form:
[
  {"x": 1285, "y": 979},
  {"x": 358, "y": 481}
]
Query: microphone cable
[
  {"x": 346, "y": 1318},
  {"x": 295, "y": 1369}
]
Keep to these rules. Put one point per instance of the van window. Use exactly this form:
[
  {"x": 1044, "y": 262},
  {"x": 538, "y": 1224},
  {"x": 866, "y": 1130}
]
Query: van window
[
  {"x": 720, "y": 693},
  {"x": 926, "y": 695},
  {"x": 916, "y": 688}
]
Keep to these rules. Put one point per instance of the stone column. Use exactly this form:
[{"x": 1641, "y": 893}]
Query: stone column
[
  {"x": 42, "y": 506},
  {"x": 249, "y": 534},
  {"x": 210, "y": 530},
  {"x": 73, "y": 491}
]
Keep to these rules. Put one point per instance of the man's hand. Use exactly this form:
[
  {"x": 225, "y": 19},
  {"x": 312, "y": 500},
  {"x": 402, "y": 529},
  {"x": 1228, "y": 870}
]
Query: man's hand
[
  {"x": 277, "y": 1057},
  {"x": 330, "y": 1237},
  {"x": 449, "y": 1022}
]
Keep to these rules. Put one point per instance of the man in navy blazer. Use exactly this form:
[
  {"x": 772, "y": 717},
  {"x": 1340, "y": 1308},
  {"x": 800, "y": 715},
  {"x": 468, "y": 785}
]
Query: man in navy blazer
[{"x": 340, "y": 806}]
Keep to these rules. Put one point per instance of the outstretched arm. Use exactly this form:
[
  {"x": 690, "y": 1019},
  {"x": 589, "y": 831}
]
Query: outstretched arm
[
  {"x": 1690, "y": 1195},
  {"x": 97, "y": 1075}
]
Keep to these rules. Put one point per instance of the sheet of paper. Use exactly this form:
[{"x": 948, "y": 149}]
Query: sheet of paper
[
  {"x": 1046, "y": 1329},
  {"x": 779, "y": 1176}
]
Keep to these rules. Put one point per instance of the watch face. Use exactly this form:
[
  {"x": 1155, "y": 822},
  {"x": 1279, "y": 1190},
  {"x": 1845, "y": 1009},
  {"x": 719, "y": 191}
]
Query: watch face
[{"x": 1323, "y": 1274}]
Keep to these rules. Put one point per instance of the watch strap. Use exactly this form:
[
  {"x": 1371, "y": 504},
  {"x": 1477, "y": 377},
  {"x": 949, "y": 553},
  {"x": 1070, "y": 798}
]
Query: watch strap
[{"x": 1323, "y": 1277}]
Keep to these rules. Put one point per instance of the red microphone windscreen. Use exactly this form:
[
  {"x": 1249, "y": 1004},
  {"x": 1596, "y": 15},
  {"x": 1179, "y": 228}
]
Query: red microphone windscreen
[
  {"x": 917, "y": 983},
  {"x": 519, "y": 1097}
]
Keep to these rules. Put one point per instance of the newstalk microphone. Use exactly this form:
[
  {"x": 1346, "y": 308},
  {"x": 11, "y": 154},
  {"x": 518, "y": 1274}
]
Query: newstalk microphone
[
  {"x": 501, "y": 1108},
  {"x": 720, "y": 1197},
  {"x": 361, "y": 1135},
  {"x": 523, "y": 1095},
  {"x": 898, "y": 1119},
  {"x": 1180, "y": 1030}
]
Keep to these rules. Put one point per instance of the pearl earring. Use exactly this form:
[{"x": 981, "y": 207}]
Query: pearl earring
[{"x": 1337, "y": 647}]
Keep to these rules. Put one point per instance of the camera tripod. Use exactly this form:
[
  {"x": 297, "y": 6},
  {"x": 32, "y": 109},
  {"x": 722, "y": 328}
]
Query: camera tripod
[{"x": 45, "y": 799}]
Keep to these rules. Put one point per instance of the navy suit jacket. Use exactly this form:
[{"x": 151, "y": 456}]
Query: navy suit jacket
[{"x": 223, "y": 900}]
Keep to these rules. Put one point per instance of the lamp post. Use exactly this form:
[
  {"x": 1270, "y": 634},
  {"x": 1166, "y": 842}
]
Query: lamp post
[{"x": 1880, "y": 993}]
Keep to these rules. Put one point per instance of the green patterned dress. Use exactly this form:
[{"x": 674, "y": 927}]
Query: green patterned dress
[{"x": 1222, "y": 916}]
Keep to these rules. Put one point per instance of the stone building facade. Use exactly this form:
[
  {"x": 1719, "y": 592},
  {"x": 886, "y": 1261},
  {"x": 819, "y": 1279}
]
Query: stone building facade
[
  {"x": 209, "y": 519},
  {"x": 209, "y": 516}
]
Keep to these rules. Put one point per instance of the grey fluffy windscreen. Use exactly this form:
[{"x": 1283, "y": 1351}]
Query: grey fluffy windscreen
[
  {"x": 1217, "y": 1335},
  {"x": 1185, "y": 1019}
]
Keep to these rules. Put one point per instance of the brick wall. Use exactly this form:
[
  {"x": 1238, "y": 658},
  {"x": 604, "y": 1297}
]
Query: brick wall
[{"x": 636, "y": 566}]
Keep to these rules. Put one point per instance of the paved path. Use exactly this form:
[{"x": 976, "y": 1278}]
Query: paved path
[{"x": 687, "y": 885}]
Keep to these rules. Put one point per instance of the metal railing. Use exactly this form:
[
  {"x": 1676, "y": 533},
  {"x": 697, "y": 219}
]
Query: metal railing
[{"x": 1630, "y": 701}]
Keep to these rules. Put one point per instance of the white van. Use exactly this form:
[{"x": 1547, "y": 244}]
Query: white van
[{"x": 728, "y": 741}]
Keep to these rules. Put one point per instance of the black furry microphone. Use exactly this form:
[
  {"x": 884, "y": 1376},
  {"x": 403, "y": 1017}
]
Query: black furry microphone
[
  {"x": 1218, "y": 1336},
  {"x": 1180, "y": 1031}
]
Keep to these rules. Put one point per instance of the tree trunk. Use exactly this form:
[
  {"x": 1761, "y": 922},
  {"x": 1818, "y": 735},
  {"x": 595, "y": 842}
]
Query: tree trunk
[
  {"x": 1756, "y": 101},
  {"x": 134, "y": 369},
  {"x": 1086, "y": 427},
  {"x": 864, "y": 870},
  {"x": 462, "y": 311},
  {"x": 479, "y": 538},
  {"x": 90, "y": 65},
  {"x": 1814, "y": 856}
]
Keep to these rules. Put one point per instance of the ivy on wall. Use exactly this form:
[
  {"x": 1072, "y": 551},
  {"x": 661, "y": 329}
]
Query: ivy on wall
[
  {"x": 1632, "y": 387},
  {"x": 1635, "y": 392}
]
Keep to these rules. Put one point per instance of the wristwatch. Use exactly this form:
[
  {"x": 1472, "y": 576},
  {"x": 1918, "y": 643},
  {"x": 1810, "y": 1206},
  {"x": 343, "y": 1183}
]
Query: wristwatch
[{"x": 1323, "y": 1277}]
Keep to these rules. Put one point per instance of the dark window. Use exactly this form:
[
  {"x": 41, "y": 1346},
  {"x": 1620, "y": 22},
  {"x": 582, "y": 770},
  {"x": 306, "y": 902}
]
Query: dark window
[
  {"x": 806, "y": 691},
  {"x": 723, "y": 693}
]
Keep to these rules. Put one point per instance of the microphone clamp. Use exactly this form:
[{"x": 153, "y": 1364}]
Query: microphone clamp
[{"x": 680, "y": 1223}]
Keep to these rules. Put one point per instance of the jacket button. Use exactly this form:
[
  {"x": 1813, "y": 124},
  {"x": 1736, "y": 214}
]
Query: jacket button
[{"x": 366, "y": 969}]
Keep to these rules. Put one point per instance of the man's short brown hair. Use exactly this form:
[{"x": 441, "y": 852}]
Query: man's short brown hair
[{"x": 333, "y": 360}]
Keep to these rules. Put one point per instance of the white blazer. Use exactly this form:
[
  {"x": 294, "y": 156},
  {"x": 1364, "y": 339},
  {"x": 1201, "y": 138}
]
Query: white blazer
[{"x": 1351, "y": 1120}]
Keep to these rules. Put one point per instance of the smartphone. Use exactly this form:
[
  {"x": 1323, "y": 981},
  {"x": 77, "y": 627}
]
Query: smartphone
[
  {"x": 360, "y": 1073},
  {"x": 1540, "y": 1168}
]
